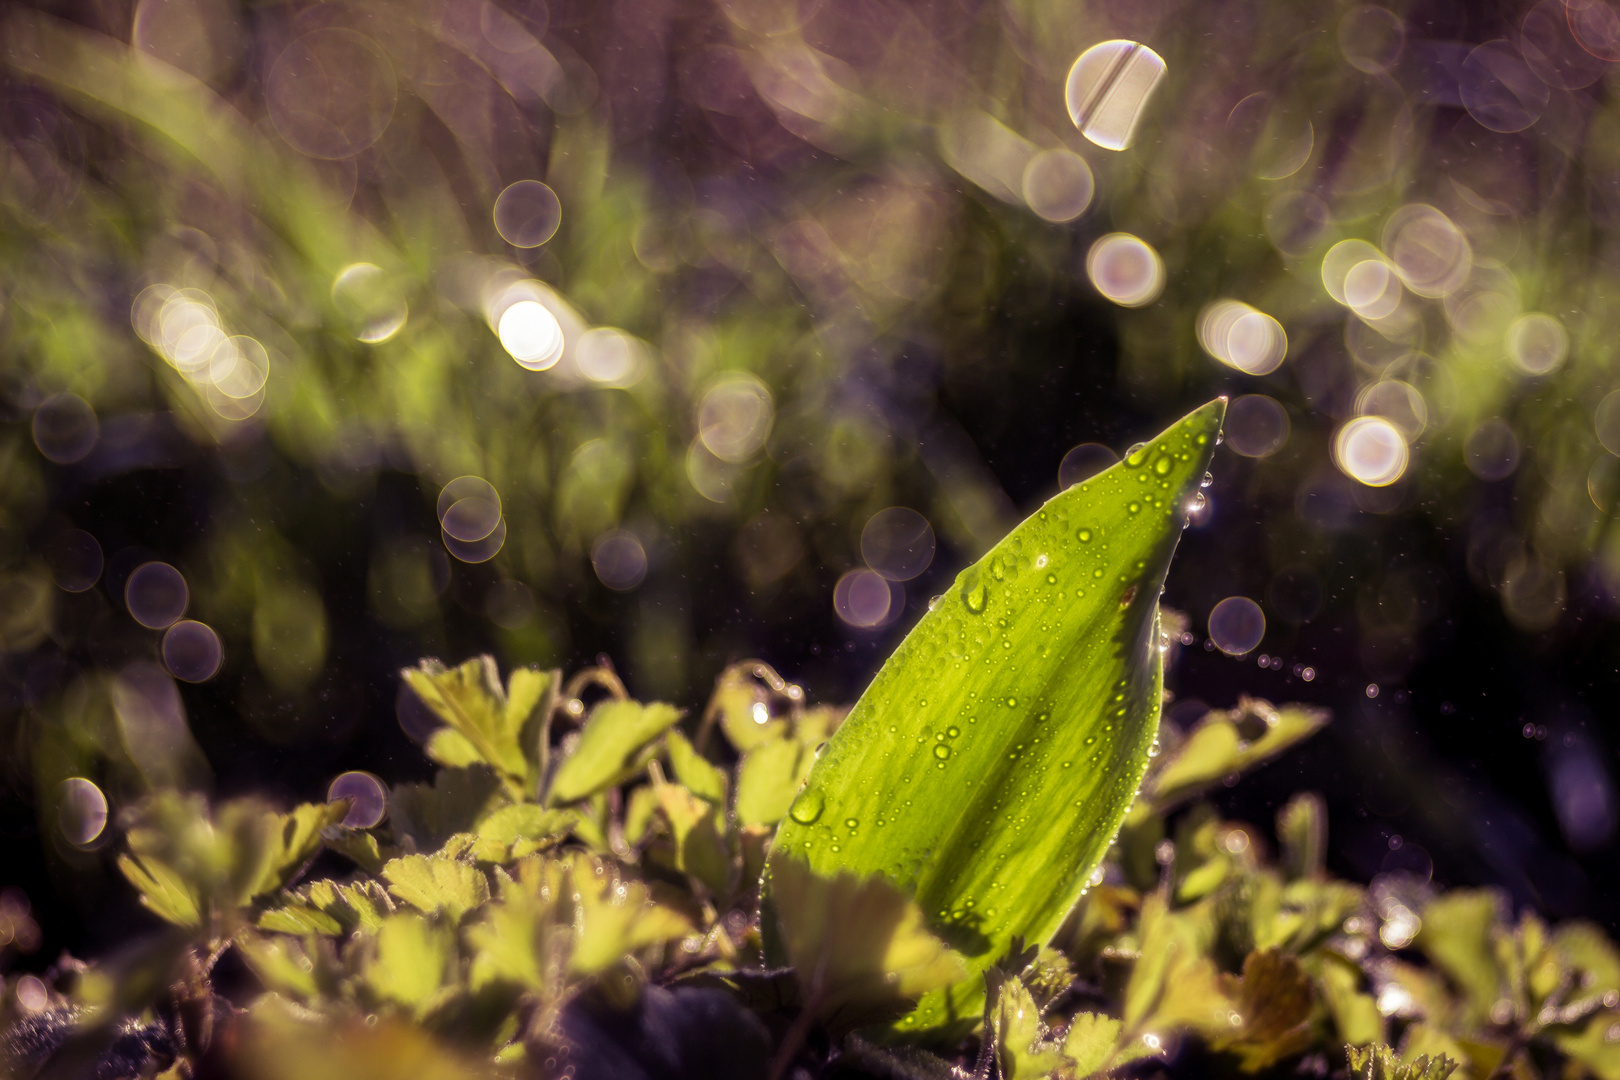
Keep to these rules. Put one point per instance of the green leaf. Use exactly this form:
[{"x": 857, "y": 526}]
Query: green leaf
[
  {"x": 517, "y": 940},
  {"x": 1355, "y": 1013},
  {"x": 742, "y": 706},
  {"x": 988, "y": 766},
  {"x": 860, "y": 947},
  {"x": 640, "y": 813},
  {"x": 1302, "y": 831},
  {"x": 609, "y": 747},
  {"x": 1457, "y": 935},
  {"x": 326, "y": 907},
  {"x": 1380, "y": 1063},
  {"x": 1228, "y": 742},
  {"x": 616, "y": 917},
  {"x": 1022, "y": 1047},
  {"x": 1090, "y": 1042},
  {"x": 700, "y": 840},
  {"x": 192, "y": 865},
  {"x": 450, "y": 747},
  {"x": 524, "y": 828},
  {"x": 490, "y": 720},
  {"x": 299, "y": 919},
  {"x": 411, "y": 958},
  {"x": 694, "y": 771},
  {"x": 1588, "y": 953},
  {"x": 1591, "y": 1045},
  {"x": 163, "y": 891},
  {"x": 296, "y": 840},
  {"x": 280, "y": 963},
  {"x": 1173, "y": 983},
  {"x": 531, "y": 698},
  {"x": 455, "y": 803},
  {"x": 768, "y": 778},
  {"x": 1273, "y": 1007},
  {"x": 433, "y": 884}
]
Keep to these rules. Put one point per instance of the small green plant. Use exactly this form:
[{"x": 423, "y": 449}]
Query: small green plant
[{"x": 579, "y": 890}]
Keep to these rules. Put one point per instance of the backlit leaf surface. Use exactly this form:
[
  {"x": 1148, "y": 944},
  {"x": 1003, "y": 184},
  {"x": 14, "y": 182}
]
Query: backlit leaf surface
[{"x": 992, "y": 759}]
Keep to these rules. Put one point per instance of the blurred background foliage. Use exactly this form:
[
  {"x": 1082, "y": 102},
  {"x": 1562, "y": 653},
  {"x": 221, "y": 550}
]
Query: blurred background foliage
[{"x": 341, "y": 334}]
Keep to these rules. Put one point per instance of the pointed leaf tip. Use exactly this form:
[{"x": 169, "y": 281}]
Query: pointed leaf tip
[{"x": 992, "y": 759}]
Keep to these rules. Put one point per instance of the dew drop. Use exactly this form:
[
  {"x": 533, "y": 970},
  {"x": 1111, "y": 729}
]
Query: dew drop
[
  {"x": 952, "y": 732},
  {"x": 998, "y": 568},
  {"x": 807, "y": 807},
  {"x": 852, "y": 823},
  {"x": 1012, "y": 703},
  {"x": 1084, "y": 535},
  {"x": 1136, "y": 455},
  {"x": 1135, "y": 507},
  {"x": 1209, "y": 478},
  {"x": 1051, "y": 579},
  {"x": 1162, "y": 466},
  {"x": 942, "y": 752}
]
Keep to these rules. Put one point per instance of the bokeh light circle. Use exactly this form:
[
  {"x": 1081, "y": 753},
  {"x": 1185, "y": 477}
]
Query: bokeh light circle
[
  {"x": 1371, "y": 38},
  {"x": 610, "y": 356},
  {"x": 81, "y": 810},
  {"x": 1372, "y": 450},
  {"x": 416, "y": 720},
  {"x": 865, "y": 599},
  {"x": 331, "y": 93},
  {"x": 1499, "y": 90},
  {"x": 156, "y": 595},
  {"x": 1537, "y": 344},
  {"x": 370, "y": 302},
  {"x": 1372, "y": 290},
  {"x": 527, "y": 214},
  {"x": 368, "y": 798},
  {"x": 1237, "y": 625},
  {"x": 1550, "y": 48},
  {"x": 471, "y": 519},
  {"x": 531, "y": 334},
  {"x": 1256, "y": 426},
  {"x": 897, "y": 543},
  {"x": 1596, "y": 26},
  {"x": 476, "y": 551},
  {"x": 1427, "y": 250},
  {"x": 735, "y": 417},
  {"x": 619, "y": 559},
  {"x": 65, "y": 428},
  {"x": 1083, "y": 462},
  {"x": 239, "y": 367},
  {"x": 1342, "y": 258},
  {"x": 1125, "y": 269},
  {"x": 191, "y": 651},
  {"x": 1108, "y": 90},
  {"x": 1398, "y": 402},
  {"x": 1242, "y": 337},
  {"x": 1058, "y": 185},
  {"x": 75, "y": 559},
  {"x": 469, "y": 508},
  {"x": 1606, "y": 422}
]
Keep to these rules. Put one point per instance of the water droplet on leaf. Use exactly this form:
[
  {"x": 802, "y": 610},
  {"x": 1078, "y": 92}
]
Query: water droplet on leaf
[{"x": 807, "y": 807}]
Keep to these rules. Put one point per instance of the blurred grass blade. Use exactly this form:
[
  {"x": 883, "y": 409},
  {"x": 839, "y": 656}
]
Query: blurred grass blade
[{"x": 988, "y": 766}]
